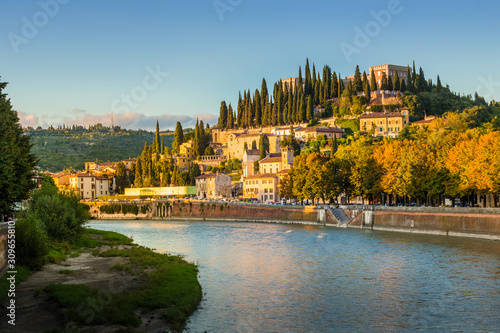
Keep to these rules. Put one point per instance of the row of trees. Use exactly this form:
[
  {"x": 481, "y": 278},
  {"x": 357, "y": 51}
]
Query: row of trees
[
  {"x": 157, "y": 166},
  {"x": 425, "y": 165},
  {"x": 288, "y": 106}
]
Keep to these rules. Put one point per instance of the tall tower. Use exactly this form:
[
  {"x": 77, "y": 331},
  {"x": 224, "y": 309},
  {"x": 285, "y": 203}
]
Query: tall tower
[
  {"x": 286, "y": 158},
  {"x": 112, "y": 129}
]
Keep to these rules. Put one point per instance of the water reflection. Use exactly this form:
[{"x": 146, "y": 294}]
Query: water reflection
[{"x": 291, "y": 278}]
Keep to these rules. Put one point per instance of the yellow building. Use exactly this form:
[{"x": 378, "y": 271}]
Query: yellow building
[
  {"x": 236, "y": 143},
  {"x": 274, "y": 163},
  {"x": 213, "y": 186},
  {"x": 388, "y": 124},
  {"x": 263, "y": 187}
]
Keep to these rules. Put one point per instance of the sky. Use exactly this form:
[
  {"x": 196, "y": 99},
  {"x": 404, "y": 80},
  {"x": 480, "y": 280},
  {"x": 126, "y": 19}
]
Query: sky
[{"x": 80, "y": 61}]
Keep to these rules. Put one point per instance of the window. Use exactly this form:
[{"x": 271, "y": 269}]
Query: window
[
  {"x": 265, "y": 197},
  {"x": 365, "y": 123},
  {"x": 81, "y": 179},
  {"x": 264, "y": 170},
  {"x": 81, "y": 186},
  {"x": 381, "y": 122},
  {"x": 389, "y": 122},
  {"x": 270, "y": 190},
  {"x": 265, "y": 190},
  {"x": 380, "y": 129},
  {"x": 271, "y": 197}
]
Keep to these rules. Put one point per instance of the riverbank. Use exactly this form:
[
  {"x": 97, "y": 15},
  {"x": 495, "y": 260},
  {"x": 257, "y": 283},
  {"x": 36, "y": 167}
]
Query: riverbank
[{"x": 107, "y": 284}]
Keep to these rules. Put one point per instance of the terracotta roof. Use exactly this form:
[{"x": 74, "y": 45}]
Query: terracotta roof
[
  {"x": 262, "y": 175},
  {"x": 382, "y": 115},
  {"x": 81, "y": 174},
  {"x": 253, "y": 152},
  {"x": 207, "y": 175},
  {"x": 251, "y": 135},
  {"x": 284, "y": 171},
  {"x": 321, "y": 129},
  {"x": 270, "y": 160}
]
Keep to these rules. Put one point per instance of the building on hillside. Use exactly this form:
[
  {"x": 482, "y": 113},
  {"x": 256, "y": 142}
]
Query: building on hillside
[
  {"x": 248, "y": 160},
  {"x": 311, "y": 133},
  {"x": 429, "y": 121},
  {"x": 388, "y": 124},
  {"x": 62, "y": 180},
  {"x": 390, "y": 72},
  {"x": 263, "y": 187},
  {"x": 274, "y": 163},
  {"x": 128, "y": 162},
  {"x": 212, "y": 186},
  {"x": 173, "y": 191},
  {"x": 292, "y": 83},
  {"x": 89, "y": 186},
  {"x": 284, "y": 131},
  {"x": 236, "y": 143}
]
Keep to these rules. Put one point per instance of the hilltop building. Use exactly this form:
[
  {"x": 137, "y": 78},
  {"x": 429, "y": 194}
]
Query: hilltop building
[
  {"x": 388, "y": 124},
  {"x": 212, "y": 186}
]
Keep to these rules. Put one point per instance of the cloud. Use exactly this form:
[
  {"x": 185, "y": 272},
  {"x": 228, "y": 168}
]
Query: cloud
[
  {"x": 27, "y": 119},
  {"x": 129, "y": 120}
]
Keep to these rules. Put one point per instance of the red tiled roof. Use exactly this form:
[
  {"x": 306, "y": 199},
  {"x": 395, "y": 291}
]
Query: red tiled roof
[
  {"x": 321, "y": 129},
  {"x": 270, "y": 160},
  {"x": 262, "y": 175},
  {"x": 382, "y": 115},
  {"x": 253, "y": 152},
  {"x": 207, "y": 175}
]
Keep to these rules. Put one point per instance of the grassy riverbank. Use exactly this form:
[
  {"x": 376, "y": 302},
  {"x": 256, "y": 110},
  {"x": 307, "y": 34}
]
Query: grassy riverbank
[{"x": 106, "y": 281}]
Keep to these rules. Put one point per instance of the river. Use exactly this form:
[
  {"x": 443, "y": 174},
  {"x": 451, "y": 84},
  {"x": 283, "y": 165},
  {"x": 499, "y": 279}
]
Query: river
[{"x": 298, "y": 278}]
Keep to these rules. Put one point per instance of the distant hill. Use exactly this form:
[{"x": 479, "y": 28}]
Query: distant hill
[{"x": 62, "y": 148}]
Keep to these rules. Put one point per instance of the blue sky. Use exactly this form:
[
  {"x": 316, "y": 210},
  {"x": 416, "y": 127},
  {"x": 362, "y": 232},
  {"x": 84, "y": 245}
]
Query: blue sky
[{"x": 76, "y": 62}]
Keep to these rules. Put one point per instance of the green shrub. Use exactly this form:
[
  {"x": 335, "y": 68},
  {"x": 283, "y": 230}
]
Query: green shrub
[{"x": 31, "y": 242}]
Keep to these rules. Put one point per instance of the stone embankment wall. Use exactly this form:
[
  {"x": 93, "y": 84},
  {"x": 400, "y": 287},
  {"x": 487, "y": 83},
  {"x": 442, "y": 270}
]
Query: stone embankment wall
[
  {"x": 472, "y": 222},
  {"x": 216, "y": 211}
]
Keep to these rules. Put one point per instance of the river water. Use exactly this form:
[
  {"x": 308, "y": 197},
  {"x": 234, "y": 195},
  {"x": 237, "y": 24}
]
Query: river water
[{"x": 297, "y": 278}]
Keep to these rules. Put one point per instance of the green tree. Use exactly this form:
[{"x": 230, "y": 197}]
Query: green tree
[
  {"x": 254, "y": 144},
  {"x": 263, "y": 146},
  {"x": 209, "y": 151},
  {"x": 373, "y": 82},
  {"x": 196, "y": 139},
  {"x": 310, "y": 109},
  {"x": 384, "y": 85},
  {"x": 439, "y": 87},
  {"x": 138, "y": 173},
  {"x": 396, "y": 84},
  {"x": 357, "y": 84},
  {"x": 17, "y": 162},
  {"x": 223, "y": 115},
  {"x": 178, "y": 137},
  {"x": 121, "y": 178}
]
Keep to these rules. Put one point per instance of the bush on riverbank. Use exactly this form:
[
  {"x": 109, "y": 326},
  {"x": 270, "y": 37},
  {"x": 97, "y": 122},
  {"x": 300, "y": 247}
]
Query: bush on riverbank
[
  {"x": 168, "y": 283},
  {"x": 52, "y": 218}
]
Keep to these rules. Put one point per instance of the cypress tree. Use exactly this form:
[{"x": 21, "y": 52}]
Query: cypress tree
[
  {"x": 367, "y": 91},
  {"x": 335, "y": 86},
  {"x": 390, "y": 85},
  {"x": 196, "y": 139},
  {"x": 422, "y": 84},
  {"x": 245, "y": 146},
  {"x": 178, "y": 137},
  {"x": 162, "y": 147},
  {"x": 318, "y": 96},
  {"x": 258, "y": 108},
  {"x": 138, "y": 173},
  {"x": 230, "y": 120},
  {"x": 223, "y": 115},
  {"x": 373, "y": 82},
  {"x": 264, "y": 94},
  {"x": 403, "y": 85},
  {"x": 290, "y": 107},
  {"x": 310, "y": 111},
  {"x": 409, "y": 84},
  {"x": 396, "y": 84},
  {"x": 157, "y": 148},
  {"x": 203, "y": 140},
  {"x": 302, "y": 109},
  {"x": 439, "y": 87},
  {"x": 340, "y": 87},
  {"x": 239, "y": 110},
  {"x": 254, "y": 144},
  {"x": 299, "y": 88},
  {"x": 357, "y": 85},
  {"x": 307, "y": 86},
  {"x": 383, "y": 84}
]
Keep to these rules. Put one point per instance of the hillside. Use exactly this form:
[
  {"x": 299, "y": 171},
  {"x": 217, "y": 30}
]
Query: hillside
[{"x": 59, "y": 149}]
